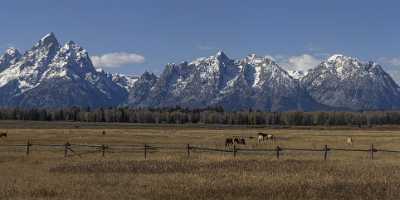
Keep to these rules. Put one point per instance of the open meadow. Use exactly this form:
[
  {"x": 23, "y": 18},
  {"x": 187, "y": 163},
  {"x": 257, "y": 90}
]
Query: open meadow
[{"x": 170, "y": 173}]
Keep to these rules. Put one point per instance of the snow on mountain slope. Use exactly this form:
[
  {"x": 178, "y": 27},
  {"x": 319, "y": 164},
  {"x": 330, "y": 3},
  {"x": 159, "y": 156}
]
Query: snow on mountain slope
[
  {"x": 297, "y": 74},
  {"x": 141, "y": 89},
  {"x": 252, "y": 82},
  {"x": 193, "y": 84},
  {"x": 125, "y": 81},
  {"x": 30, "y": 67},
  {"x": 10, "y": 57},
  {"x": 46, "y": 64},
  {"x": 343, "y": 81},
  {"x": 54, "y": 75}
]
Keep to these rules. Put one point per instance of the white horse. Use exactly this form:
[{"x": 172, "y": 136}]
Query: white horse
[
  {"x": 349, "y": 141},
  {"x": 265, "y": 137},
  {"x": 260, "y": 139}
]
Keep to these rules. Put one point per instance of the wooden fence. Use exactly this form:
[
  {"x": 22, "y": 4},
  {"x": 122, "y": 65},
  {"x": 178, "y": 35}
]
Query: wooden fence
[{"x": 71, "y": 150}]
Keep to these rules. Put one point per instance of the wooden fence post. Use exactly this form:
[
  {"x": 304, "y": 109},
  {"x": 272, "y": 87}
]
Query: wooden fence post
[
  {"x": 103, "y": 150},
  {"x": 28, "y": 145},
  {"x": 278, "y": 149},
  {"x": 372, "y": 151},
  {"x": 326, "y": 152},
  {"x": 234, "y": 150},
  {"x": 188, "y": 150},
  {"x": 145, "y": 151},
  {"x": 66, "y": 145}
]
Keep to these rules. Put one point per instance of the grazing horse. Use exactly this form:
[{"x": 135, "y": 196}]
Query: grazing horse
[
  {"x": 270, "y": 137},
  {"x": 239, "y": 141},
  {"x": 228, "y": 142},
  {"x": 4, "y": 134},
  {"x": 265, "y": 137},
  {"x": 262, "y": 134},
  {"x": 260, "y": 139},
  {"x": 349, "y": 141}
]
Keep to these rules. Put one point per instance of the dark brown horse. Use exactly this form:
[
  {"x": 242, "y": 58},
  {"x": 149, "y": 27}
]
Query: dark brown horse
[
  {"x": 239, "y": 141},
  {"x": 228, "y": 142},
  {"x": 3, "y": 135}
]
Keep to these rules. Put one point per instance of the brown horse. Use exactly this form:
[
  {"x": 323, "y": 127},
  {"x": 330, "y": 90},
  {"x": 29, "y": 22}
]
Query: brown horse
[
  {"x": 3, "y": 135},
  {"x": 228, "y": 142},
  {"x": 237, "y": 140}
]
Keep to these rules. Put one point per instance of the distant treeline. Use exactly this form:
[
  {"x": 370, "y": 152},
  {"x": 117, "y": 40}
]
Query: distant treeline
[{"x": 202, "y": 116}]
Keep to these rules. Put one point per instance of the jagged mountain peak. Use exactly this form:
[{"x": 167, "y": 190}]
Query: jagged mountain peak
[
  {"x": 212, "y": 63},
  {"x": 344, "y": 67},
  {"x": 221, "y": 56},
  {"x": 335, "y": 57},
  {"x": 220, "y": 53},
  {"x": 12, "y": 51},
  {"x": 49, "y": 75},
  {"x": 124, "y": 81},
  {"x": 340, "y": 58},
  {"x": 48, "y": 40},
  {"x": 148, "y": 74},
  {"x": 73, "y": 49},
  {"x": 73, "y": 58},
  {"x": 41, "y": 54},
  {"x": 69, "y": 44},
  {"x": 10, "y": 57},
  {"x": 343, "y": 81}
]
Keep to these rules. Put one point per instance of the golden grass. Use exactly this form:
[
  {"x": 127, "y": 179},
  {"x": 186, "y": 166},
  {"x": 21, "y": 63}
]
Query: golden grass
[{"x": 173, "y": 175}]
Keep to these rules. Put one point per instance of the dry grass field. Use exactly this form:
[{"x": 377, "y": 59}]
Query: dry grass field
[{"x": 171, "y": 174}]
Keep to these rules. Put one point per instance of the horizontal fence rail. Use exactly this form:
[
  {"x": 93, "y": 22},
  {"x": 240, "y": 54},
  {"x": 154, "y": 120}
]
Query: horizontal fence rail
[{"x": 71, "y": 150}]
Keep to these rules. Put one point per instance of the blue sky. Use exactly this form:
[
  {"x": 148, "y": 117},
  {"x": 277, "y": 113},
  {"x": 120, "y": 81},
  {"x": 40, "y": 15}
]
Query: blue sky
[{"x": 162, "y": 31}]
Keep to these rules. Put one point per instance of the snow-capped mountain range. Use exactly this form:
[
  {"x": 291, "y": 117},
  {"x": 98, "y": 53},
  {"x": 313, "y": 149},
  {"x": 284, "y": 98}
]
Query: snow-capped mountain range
[
  {"x": 51, "y": 75},
  {"x": 54, "y": 75}
]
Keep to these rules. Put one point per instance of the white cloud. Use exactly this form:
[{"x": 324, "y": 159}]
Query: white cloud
[
  {"x": 117, "y": 59},
  {"x": 303, "y": 62},
  {"x": 298, "y": 63}
]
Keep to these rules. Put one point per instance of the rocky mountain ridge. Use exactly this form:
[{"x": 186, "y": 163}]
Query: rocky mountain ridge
[{"x": 54, "y": 75}]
